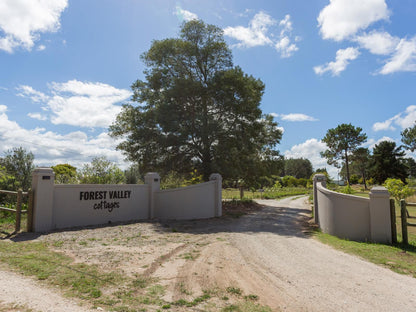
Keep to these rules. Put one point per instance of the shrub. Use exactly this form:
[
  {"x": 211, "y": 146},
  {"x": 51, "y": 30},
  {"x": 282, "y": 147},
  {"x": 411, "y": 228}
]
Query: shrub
[{"x": 398, "y": 189}]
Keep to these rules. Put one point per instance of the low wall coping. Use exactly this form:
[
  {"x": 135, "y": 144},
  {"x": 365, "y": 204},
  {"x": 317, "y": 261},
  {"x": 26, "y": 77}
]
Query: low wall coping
[
  {"x": 186, "y": 187},
  {"x": 347, "y": 196}
]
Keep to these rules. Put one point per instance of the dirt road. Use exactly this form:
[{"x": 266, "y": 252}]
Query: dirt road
[
  {"x": 301, "y": 274},
  {"x": 267, "y": 253}
]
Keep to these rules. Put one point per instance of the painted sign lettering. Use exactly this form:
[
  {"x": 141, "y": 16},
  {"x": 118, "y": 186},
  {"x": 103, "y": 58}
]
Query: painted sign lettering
[{"x": 102, "y": 197}]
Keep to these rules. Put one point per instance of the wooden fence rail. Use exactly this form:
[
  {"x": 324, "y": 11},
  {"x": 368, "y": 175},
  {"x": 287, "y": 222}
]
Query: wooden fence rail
[
  {"x": 404, "y": 214},
  {"x": 18, "y": 211}
]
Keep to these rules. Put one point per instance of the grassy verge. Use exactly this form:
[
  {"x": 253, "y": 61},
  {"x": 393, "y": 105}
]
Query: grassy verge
[
  {"x": 110, "y": 290},
  {"x": 233, "y": 193},
  {"x": 35, "y": 259},
  {"x": 7, "y": 223},
  {"x": 401, "y": 259}
]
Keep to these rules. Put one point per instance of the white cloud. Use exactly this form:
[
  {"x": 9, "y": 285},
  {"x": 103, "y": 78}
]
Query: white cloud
[
  {"x": 371, "y": 143},
  {"x": 185, "y": 15},
  {"x": 403, "y": 58},
  {"x": 51, "y": 148},
  {"x": 341, "y": 62},
  {"x": 258, "y": 34},
  {"x": 285, "y": 45},
  {"x": 385, "y": 125},
  {"x": 403, "y": 120},
  {"x": 35, "y": 96},
  {"x": 37, "y": 116},
  {"x": 22, "y": 21},
  {"x": 77, "y": 103},
  {"x": 255, "y": 34},
  {"x": 41, "y": 47},
  {"x": 286, "y": 24},
  {"x": 295, "y": 117},
  {"x": 408, "y": 118},
  {"x": 380, "y": 43},
  {"x": 311, "y": 150},
  {"x": 341, "y": 19}
]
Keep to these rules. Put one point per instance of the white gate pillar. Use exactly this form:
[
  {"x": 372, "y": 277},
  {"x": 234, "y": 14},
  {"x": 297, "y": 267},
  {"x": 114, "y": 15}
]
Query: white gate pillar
[
  {"x": 380, "y": 223},
  {"x": 218, "y": 193},
  {"x": 152, "y": 179},
  {"x": 42, "y": 186}
]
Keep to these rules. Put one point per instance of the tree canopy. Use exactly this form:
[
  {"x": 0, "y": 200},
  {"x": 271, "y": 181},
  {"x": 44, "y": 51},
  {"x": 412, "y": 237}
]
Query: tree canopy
[
  {"x": 341, "y": 142},
  {"x": 65, "y": 174},
  {"x": 387, "y": 161},
  {"x": 409, "y": 138},
  {"x": 18, "y": 162},
  {"x": 298, "y": 168},
  {"x": 196, "y": 110},
  {"x": 101, "y": 171}
]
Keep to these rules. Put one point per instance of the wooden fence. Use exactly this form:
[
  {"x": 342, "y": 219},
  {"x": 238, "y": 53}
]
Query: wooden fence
[
  {"x": 18, "y": 211},
  {"x": 404, "y": 216}
]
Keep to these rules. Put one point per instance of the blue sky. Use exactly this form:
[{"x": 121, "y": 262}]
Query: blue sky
[{"x": 67, "y": 66}]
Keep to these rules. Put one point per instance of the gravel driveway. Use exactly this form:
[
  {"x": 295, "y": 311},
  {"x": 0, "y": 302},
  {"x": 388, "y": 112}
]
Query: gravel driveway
[{"x": 268, "y": 253}]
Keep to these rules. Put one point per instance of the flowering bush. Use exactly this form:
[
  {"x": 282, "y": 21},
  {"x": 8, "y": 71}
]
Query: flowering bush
[{"x": 398, "y": 189}]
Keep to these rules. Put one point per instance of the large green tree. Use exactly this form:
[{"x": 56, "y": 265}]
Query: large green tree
[
  {"x": 387, "y": 161},
  {"x": 360, "y": 162},
  {"x": 65, "y": 174},
  {"x": 196, "y": 111},
  {"x": 341, "y": 142},
  {"x": 101, "y": 171},
  {"x": 19, "y": 163},
  {"x": 409, "y": 138},
  {"x": 298, "y": 168},
  {"x": 411, "y": 167}
]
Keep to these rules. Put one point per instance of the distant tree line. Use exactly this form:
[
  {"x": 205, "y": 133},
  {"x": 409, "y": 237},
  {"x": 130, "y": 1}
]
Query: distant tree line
[
  {"x": 17, "y": 165},
  {"x": 360, "y": 165}
]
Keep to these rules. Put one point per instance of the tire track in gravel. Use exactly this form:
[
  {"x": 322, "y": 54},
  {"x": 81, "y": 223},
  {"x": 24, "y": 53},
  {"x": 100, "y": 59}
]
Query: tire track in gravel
[{"x": 306, "y": 275}]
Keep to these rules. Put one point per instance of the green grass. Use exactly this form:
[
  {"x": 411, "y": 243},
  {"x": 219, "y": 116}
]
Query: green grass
[
  {"x": 8, "y": 221},
  {"x": 247, "y": 306},
  {"x": 401, "y": 259},
  {"x": 234, "y": 290},
  {"x": 35, "y": 259},
  {"x": 109, "y": 290},
  {"x": 233, "y": 193},
  {"x": 184, "y": 303}
]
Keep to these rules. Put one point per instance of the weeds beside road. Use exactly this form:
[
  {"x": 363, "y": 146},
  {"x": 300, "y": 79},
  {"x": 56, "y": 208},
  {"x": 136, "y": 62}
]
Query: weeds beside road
[{"x": 134, "y": 267}]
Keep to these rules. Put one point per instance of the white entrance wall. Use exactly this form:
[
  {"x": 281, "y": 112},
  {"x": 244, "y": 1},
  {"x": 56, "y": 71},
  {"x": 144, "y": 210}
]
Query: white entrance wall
[
  {"x": 98, "y": 204},
  {"x": 64, "y": 206},
  {"x": 352, "y": 217}
]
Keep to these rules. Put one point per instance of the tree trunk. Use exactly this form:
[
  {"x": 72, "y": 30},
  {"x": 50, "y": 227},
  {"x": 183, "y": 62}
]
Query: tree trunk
[
  {"x": 364, "y": 180},
  {"x": 347, "y": 167}
]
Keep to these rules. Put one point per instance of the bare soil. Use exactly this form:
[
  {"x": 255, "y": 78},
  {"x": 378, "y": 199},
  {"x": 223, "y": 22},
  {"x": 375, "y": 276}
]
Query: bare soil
[{"x": 267, "y": 254}]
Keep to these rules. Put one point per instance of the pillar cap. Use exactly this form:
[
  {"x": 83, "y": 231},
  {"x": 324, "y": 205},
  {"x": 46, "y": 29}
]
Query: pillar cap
[
  {"x": 215, "y": 176},
  {"x": 152, "y": 174},
  {"x": 319, "y": 177},
  {"x": 379, "y": 191},
  {"x": 43, "y": 170}
]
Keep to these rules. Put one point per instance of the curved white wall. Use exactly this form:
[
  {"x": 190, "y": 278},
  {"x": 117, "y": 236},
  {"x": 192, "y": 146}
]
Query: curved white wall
[
  {"x": 352, "y": 217},
  {"x": 343, "y": 215}
]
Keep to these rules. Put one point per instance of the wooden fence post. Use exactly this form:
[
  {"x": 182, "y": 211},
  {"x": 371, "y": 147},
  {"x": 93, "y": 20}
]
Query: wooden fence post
[
  {"x": 29, "y": 225},
  {"x": 18, "y": 210},
  {"x": 393, "y": 222},
  {"x": 403, "y": 214}
]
